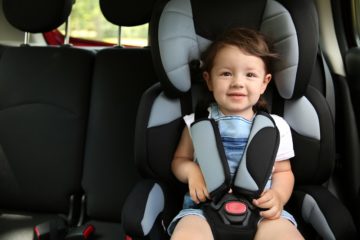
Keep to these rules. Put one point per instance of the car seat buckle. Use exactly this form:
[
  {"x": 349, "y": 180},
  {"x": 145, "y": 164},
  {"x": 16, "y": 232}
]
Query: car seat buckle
[
  {"x": 81, "y": 233},
  {"x": 235, "y": 208},
  {"x": 49, "y": 230},
  {"x": 234, "y": 212}
]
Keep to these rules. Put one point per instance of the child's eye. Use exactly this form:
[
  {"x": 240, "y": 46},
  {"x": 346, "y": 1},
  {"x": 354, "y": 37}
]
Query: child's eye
[
  {"x": 226, "y": 74},
  {"x": 251, "y": 75}
]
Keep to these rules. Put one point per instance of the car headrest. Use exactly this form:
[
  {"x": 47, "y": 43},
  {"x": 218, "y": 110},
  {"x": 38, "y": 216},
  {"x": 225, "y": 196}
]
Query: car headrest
[
  {"x": 36, "y": 16},
  {"x": 129, "y": 13},
  {"x": 184, "y": 29}
]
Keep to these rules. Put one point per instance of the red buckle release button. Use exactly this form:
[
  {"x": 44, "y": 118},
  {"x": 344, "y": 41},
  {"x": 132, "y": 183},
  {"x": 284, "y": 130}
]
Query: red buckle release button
[
  {"x": 235, "y": 208},
  {"x": 89, "y": 229}
]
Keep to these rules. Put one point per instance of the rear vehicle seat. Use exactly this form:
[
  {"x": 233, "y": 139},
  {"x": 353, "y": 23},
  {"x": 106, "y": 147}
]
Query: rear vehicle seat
[
  {"x": 2, "y": 49},
  {"x": 120, "y": 77},
  {"x": 44, "y": 99},
  {"x": 45, "y": 116}
]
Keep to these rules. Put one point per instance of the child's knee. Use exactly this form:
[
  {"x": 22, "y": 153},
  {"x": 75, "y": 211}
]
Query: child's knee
[
  {"x": 277, "y": 229},
  {"x": 192, "y": 227}
]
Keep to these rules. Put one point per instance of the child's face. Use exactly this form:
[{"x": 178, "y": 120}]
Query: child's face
[{"x": 237, "y": 80}]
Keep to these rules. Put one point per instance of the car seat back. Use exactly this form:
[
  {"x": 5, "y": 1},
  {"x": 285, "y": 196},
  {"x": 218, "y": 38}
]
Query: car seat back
[
  {"x": 120, "y": 77},
  {"x": 44, "y": 103}
]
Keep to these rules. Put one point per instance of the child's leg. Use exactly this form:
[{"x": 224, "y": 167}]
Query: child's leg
[
  {"x": 277, "y": 229},
  {"x": 192, "y": 227}
]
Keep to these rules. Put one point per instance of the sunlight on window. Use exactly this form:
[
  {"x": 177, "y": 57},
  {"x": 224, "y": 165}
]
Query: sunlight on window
[
  {"x": 136, "y": 36},
  {"x": 87, "y": 22},
  {"x": 355, "y": 4}
]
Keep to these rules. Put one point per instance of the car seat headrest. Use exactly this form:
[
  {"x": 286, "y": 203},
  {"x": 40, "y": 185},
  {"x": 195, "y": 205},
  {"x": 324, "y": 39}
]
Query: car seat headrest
[
  {"x": 36, "y": 16},
  {"x": 185, "y": 28},
  {"x": 129, "y": 13}
]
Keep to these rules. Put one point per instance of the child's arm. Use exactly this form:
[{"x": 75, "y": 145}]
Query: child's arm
[
  {"x": 277, "y": 196},
  {"x": 187, "y": 171}
]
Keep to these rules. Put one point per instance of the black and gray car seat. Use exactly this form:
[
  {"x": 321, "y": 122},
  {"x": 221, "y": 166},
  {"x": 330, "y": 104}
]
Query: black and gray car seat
[
  {"x": 44, "y": 92},
  {"x": 182, "y": 29}
]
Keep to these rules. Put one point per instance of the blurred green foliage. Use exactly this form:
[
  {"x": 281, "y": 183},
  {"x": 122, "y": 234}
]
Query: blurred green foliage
[{"x": 87, "y": 21}]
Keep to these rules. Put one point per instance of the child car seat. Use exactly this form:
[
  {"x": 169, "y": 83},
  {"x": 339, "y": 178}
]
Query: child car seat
[{"x": 182, "y": 29}]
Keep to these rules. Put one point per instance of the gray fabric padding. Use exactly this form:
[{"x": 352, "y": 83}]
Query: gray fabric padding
[
  {"x": 302, "y": 117},
  {"x": 163, "y": 104},
  {"x": 312, "y": 214},
  {"x": 177, "y": 42},
  {"x": 154, "y": 206},
  {"x": 207, "y": 155},
  {"x": 286, "y": 43},
  {"x": 203, "y": 43},
  {"x": 243, "y": 178}
]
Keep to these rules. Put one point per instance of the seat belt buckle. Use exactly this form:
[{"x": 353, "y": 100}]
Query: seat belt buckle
[
  {"x": 235, "y": 208},
  {"x": 81, "y": 233},
  {"x": 50, "y": 230},
  {"x": 235, "y": 211}
]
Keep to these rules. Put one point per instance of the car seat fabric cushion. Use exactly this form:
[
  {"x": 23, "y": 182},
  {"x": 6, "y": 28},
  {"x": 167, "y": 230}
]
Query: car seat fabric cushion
[
  {"x": 27, "y": 96},
  {"x": 178, "y": 44},
  {"x": 141, "y": 216},
  {"x": 317, "y": 206}
]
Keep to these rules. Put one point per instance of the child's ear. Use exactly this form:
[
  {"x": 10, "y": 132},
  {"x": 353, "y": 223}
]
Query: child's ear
[
  {"x": 266, "y": 81},
  {"x": 206, "y": 77},
  {"x": 268, "y": 78}
]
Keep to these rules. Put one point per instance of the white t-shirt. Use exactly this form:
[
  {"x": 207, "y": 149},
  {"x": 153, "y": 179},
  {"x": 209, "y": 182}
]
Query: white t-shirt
[{"x": 285, "y": 151}]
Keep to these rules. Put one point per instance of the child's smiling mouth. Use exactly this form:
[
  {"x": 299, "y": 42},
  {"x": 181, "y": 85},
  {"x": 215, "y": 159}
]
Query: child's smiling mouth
[{"x": 236, "y": 95}]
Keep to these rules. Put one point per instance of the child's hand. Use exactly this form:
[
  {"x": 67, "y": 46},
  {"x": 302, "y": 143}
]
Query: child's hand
[
  {"x": 270, "y": 200},
  {"x": 197, "y": 186}
]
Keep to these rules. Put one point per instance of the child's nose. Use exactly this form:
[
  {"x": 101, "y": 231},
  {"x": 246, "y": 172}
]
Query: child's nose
[{"x": 238, "y": 81}]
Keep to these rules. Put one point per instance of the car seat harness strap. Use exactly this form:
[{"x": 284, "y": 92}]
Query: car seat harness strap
[{"x": 231, "y": 213}]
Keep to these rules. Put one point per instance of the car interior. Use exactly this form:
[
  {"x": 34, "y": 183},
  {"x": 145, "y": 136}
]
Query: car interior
[{"x": 87, "y": 134}]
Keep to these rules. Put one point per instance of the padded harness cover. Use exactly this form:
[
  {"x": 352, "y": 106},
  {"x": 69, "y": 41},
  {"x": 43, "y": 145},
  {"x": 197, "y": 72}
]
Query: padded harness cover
[
  {"x": 256, "y": 163},
  {"x": 251, "y": 177}
]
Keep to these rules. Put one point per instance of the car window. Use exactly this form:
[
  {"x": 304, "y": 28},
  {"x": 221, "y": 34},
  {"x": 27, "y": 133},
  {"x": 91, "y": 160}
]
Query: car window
[
  {"x": 356, "y": 19},
  {"x": 88, "y": 23}
]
